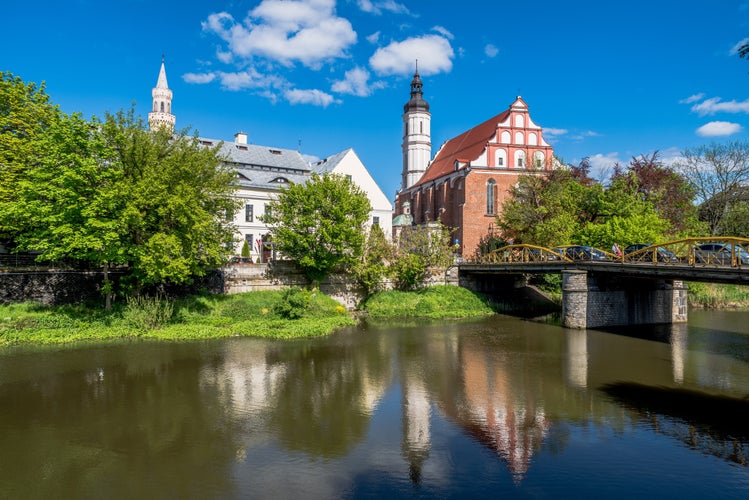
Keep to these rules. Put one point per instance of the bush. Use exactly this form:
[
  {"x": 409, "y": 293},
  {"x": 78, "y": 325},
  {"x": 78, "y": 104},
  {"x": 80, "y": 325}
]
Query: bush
[
  {"x": 147, "y": 313},
  {"x": 294, "y": 303}
]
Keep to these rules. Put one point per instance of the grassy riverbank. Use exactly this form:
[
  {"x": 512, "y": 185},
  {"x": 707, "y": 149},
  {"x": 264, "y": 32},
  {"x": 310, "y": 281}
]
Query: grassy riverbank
[
  {"x": 272, "y": 314},
  {"x": 436, "y": 302},
  {"x": 718, "y": 296}
]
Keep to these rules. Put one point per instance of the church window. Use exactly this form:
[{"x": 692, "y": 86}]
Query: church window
[
  {"x": 538, "y": 159},
  {"x": 162, "y": 107},
  {"x": 500, "y": 158},
  {"x": 520, "y": 159},
  {"x": 505, "y": 137},
  {"x": 519, "y": 138},
  {"x": 248, "y": 213},
  {"x": 491, "y": 188},
  {"x": 532, "y": 139}
]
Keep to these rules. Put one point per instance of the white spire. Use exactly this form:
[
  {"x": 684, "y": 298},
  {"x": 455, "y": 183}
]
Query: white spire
[
  {"x": 161, "y": 112},
  {"x": 162, "y": 84}
]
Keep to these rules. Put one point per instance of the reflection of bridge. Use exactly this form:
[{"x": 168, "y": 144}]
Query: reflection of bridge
[{"x": 603, "y": 289}]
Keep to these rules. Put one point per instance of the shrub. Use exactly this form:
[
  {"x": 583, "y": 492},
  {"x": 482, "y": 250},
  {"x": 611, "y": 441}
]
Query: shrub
[
  {"x": 294, "y": 303},
  {"x": 147, "y": 312}
]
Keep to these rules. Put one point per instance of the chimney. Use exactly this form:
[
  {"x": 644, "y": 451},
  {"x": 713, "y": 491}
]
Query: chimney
[{"x": 240, "y": 138}]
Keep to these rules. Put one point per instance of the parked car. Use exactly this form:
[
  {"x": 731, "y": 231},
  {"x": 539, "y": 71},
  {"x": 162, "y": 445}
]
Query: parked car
[
  {"x": 662, "y": 255},
  {"x": 719, "y": 253},
  {"x": 581, "y": 252}
]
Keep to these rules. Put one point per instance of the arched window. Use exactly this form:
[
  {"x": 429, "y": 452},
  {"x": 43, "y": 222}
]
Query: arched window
[
  {"x": 519, "y": 138},
  {"x": 491, "y": 189},
  {"x": 505, "y": 137},
  {"x": 519, "y": 121},
  {"x": 500, "y": 158},
  {"x": 538, "y": 159},
  {"x": 532, "y": 139}
]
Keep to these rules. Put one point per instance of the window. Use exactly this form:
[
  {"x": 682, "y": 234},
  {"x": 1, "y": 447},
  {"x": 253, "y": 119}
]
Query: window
[
  {"x": 491, "y": 188},
  {"x": 500, "y": 161},
  {"x": 249, "y": 239},
  {"x": 348, "y": 178},
  {"x": 248, "y": 213},
  {"x": 520, "y": 161},
  {"x": 375, "y": 221}
]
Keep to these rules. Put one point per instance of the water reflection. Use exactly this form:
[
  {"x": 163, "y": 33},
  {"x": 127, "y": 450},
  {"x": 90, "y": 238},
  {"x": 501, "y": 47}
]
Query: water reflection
[{"x": 465, "y": 409}]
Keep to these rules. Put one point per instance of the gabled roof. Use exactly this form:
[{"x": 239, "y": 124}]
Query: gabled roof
[
  {"x": 466, "y": 147},
  {"x": 328, "y": 164},
  {"x": 259, "y": 156}
]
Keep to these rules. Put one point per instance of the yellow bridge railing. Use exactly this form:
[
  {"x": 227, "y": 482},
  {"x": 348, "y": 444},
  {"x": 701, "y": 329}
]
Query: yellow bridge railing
[{"x": 707, "y": 251}]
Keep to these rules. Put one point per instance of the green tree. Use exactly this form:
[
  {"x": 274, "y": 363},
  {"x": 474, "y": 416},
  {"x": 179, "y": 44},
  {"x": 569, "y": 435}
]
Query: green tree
[
  {"x": 26, "y": 114},
  {"x": 374, "y": 267},
  {"x": 671, "y": 194},
  {"x": 419, "y": 249},
  {"x": 113, "y": 193},
  {"x": 320, "y": 224}
]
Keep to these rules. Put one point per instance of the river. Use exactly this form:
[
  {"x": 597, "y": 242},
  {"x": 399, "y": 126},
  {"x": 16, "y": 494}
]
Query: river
[{"x": 500, "y": 407}]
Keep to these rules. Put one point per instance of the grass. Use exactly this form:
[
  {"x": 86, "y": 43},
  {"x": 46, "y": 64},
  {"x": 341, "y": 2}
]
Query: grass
[
  {"x": 251, "y": 314},
  {"x": 436, "y": 302},
  {"x": 718, "y": 296}
]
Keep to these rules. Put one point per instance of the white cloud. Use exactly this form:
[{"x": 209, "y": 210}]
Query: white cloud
[
  {"x": 286, "y": 31},
  {"x": 374, "y": 37},
  {"x": 735, "y": 49},
  {"x": 356, "y": 83},
  {"x": 602, "y": 166},
  {"x": 199, "y": 78},
  {"x": 383, "y": 5},
  {"x": 433, "y": 52},
  {"x": 715, "y": 105},
  {"x": 692, "y": 98},
  {"x": 444, "y": 32},
  {"x": 716, "y": 129},
  {"x": 313, "y": 96},
  {"x": 555, "y": 131},
  {"x": 491, "y": 50}
]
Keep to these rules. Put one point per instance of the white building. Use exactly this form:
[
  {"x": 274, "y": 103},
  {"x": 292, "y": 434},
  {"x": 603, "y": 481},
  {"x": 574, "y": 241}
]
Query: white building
[
  {"x": 348, "y": 164},
  {"x": 262, "y": 171}
]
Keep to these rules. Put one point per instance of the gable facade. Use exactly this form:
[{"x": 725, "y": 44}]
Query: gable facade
[{"x": 471, "y": 175}]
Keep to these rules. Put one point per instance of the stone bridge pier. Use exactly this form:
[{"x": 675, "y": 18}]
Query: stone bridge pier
[{"x": 592, "y": 300}]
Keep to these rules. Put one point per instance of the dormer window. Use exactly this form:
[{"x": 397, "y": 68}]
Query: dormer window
[
  {"x": 275, "y": 151},
  {"x": 280, "y": 180}
]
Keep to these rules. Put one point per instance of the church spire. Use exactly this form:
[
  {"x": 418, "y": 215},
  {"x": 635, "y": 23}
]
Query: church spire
[
  {"x": 161, "y": 114},
  {"x": 417, "y": 140}
]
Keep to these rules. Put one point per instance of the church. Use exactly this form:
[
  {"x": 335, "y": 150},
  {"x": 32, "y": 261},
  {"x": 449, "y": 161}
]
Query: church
[
  {"x": 470, "y": 177},
  {"x": 262, "y": 171}
]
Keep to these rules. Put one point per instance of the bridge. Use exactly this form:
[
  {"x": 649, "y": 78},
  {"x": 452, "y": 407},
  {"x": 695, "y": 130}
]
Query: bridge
[{"x": 602, "y": 289}]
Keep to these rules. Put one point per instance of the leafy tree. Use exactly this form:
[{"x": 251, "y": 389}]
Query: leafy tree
[
  {"x": 114, "y": 194},
  {"x": 670, "y": 193},
  {"x": 419, "y": 249},
  {"x": 715, "y": 172},
  {"x": 375, "y": 265},
  {"x": 26, "y": 114},
  {"x": 320, "y": 224}
]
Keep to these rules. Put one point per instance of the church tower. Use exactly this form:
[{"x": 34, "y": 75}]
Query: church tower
[
  {"x": 417, "y": 140},
  {"x": 161, "y": 114}
]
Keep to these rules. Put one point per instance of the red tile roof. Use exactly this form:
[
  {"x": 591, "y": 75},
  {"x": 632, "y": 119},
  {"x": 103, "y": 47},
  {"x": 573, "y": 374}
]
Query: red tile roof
[{"x": 466, "y": 147}]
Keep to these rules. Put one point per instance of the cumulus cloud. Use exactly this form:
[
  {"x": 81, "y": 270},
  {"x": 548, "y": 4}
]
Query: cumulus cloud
[
  {"x": 356, "y": 82},
  {"x": 716, "y": 105},
  {"x": 433, "y": 52},
  {"x": 286, "y": 31},
  {"x": 716, "y": 129},
  {"x": 240, "y": 80},
  {"x": 491, "y": 50},
  {"x": 383, "y": 5},
  {"x": 311, "y": 96}
]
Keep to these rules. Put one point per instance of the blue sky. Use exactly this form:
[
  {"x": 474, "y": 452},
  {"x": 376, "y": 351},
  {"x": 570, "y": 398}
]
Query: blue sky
[{"x": 606, "y": 80}]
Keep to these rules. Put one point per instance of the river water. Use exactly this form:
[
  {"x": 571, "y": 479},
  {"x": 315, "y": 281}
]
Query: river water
[{"x": 500, "y": 407}]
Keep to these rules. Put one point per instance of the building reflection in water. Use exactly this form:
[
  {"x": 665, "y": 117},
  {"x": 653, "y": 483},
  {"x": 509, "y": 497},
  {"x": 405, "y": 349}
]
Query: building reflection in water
[
  {"x": 416, "y": 411},
  {"x": 679, "y": 339}
]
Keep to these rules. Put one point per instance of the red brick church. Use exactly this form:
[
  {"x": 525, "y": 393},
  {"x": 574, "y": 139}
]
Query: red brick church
[{"x": 466, "y": 183}]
